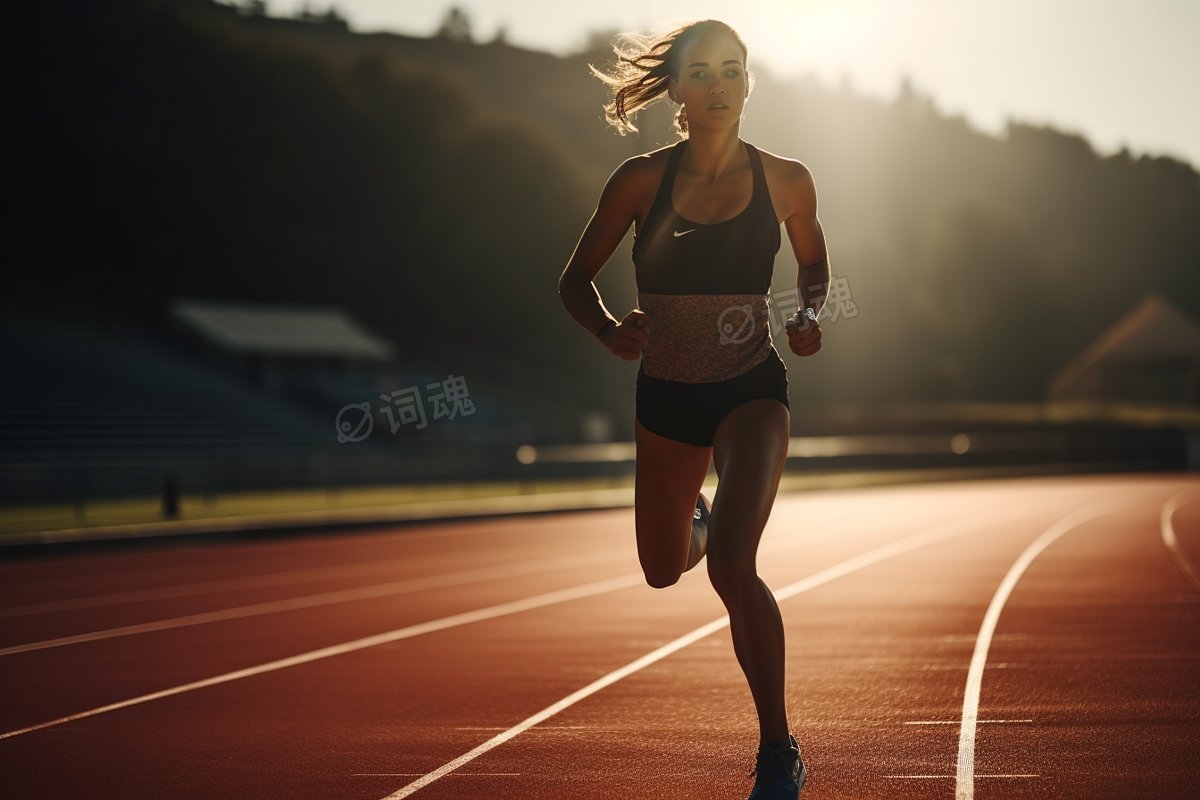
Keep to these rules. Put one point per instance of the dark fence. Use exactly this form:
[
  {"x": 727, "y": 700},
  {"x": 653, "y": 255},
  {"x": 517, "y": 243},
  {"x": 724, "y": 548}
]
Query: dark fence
[{"x": 81, "y": 481}]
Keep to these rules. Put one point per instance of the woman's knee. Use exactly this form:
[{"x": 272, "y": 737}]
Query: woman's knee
[
  {"x": 669, "y": 477},
  {"x": 663, "y": 545},
  {"x": 661, "y": 580},
  {"x": 729, "y": 573}
]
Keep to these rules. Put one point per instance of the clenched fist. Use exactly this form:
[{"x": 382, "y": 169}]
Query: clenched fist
[
  {"x": 804, "y": 332},
  {"x": 627, "y": 338}
]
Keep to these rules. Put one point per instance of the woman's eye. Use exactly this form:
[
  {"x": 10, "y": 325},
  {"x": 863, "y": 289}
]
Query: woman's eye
[
  {"x": 699, "y": 74},
  {"x": 733, "y": 73}
]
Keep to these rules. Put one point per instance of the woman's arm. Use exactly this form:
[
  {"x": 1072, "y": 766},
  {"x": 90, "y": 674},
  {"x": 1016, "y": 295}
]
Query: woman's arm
[
  {"x": 610, "y": 222},
  {"x": 807, "y": 238},
  {"x": 812, "y": 258}
]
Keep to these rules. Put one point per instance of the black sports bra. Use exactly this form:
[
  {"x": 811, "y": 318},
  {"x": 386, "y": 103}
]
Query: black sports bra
[
  {"x": 704, "y": 287},
  {"x": 674, "y": 255}
]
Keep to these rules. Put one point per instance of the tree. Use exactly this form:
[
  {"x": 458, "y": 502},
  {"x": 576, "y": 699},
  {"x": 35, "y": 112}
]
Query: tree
[
  {"x": 456, "y": 25},
  {"x": 252, "y": 8},
  {"x": 328, "y": 17}
]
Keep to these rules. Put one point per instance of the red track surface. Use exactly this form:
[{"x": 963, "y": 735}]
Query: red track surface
[{"x": 1088, "y": 686}]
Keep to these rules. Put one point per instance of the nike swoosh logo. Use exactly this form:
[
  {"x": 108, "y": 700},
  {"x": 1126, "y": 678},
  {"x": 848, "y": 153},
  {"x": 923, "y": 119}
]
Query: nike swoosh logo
[{"x": 685, "y": 233}]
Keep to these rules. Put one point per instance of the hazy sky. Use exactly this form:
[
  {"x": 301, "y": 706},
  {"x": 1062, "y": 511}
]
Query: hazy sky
[{"x": 1116, "y": 71}]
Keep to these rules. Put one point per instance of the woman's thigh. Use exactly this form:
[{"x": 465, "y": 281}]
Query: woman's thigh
[
  {"x": 750, "y": 450},
  {"x": 669, "y": 476}
]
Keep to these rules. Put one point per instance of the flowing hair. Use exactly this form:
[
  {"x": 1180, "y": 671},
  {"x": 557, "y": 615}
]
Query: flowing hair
[{"x": 645, "y": 63}]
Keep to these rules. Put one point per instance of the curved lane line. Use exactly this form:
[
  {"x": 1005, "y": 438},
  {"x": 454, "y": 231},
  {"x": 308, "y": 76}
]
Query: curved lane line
[
  {"x": 939, "y": 533},
  {"x": 964, "y": 788},
  {"x": 1168, "y": 536}
]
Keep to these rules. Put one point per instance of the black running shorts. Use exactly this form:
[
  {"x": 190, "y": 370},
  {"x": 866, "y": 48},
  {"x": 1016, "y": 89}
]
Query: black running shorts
[{"x": 690, "y": 412}]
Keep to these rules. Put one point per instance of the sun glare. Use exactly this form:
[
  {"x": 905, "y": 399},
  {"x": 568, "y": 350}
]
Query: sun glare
[{"x": 790, "y": 38}]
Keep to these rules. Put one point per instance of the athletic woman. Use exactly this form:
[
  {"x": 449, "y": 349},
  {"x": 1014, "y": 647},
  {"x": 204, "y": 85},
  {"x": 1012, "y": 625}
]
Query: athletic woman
[{"x": 711, "y": 386}]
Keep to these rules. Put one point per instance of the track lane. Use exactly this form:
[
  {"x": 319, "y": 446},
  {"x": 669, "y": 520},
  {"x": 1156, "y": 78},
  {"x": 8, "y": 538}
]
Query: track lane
[
  {"x": 1111, "y": 649},
  {"x": 434, "y": 668},
  {"x": 152, "y": 661},
  {"x": 864, "y": 680}
]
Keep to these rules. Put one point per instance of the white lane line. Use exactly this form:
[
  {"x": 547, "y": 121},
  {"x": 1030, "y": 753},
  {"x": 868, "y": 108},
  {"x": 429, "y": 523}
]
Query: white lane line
[
  {"x": 410, "y": 774},
  {"x": 970, "y": 637},
  {"x": 1168, "y": 536},
  {"x": 959, "y": 667},
  {"x": 256, "y": 581},
  {"x": 566, "y": 702},
  {"x": 109, "y": 565},
  {"x": 554, "y": 564},
  {"x": 538, "y": 601},
  {"x": 959, "y": 721},
  {"x": 440, "y": 581},
  {"x": 1011, "y": 775},
  {"x": 965, "y": 779},
  {"x": 937, "y": 534},
  {"x": 503, "y": 609},
  {"x": 288, "y": 577}
]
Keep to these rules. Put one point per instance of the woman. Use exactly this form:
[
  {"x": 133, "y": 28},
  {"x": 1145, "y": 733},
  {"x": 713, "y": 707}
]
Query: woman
[{"x": 711, "y": 385}]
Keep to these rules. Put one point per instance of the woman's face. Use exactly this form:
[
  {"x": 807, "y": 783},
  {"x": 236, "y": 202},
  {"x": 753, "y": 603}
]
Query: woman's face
[{"x": 711, "y": 83}]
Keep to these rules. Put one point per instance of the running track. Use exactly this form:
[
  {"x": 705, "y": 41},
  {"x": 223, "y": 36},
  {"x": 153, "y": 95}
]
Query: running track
[{"x": 1015, "y": 638}]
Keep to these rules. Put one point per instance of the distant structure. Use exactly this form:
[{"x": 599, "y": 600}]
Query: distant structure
[
  {"x": 279, "y": 347},
  {"x": 1151, "y": 355},
  {"x": 455, "y": 26}
]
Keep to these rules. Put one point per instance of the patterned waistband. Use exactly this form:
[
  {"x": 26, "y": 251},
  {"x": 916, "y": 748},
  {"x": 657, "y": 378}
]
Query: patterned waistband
[{"x": 700, "y": 338}]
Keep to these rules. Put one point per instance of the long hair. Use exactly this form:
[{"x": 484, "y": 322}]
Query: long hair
[{"x": 644, "y": 65}]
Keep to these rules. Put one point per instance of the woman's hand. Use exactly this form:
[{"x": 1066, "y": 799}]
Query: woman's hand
[
  {"x": 627, "y": 338},
  {"x": 804, "y": 334}
]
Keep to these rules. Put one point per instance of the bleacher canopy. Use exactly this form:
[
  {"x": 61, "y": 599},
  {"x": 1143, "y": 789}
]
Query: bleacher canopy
[
  {"x": 1150, "y": 354},
  {"x": 247, "y": 328}
]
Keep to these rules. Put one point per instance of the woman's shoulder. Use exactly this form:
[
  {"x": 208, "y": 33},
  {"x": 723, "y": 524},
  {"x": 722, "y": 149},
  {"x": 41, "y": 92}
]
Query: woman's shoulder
[
  {"x": 654, "y": 160},
  {"x": 787, "y": 169},
  {"x": 789, "y": 181},
  {"x": 644, "y": 170}
]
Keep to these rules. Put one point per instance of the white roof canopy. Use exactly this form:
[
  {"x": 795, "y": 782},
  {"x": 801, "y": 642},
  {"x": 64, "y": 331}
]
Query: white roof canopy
[{"x": 322, "y": 331}]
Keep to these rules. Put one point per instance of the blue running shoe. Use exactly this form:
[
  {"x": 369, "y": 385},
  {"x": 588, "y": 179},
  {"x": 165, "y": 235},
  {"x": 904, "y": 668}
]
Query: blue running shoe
[
  {"x": 699, "y": 545},
  {"x": 780, "y": 771}
]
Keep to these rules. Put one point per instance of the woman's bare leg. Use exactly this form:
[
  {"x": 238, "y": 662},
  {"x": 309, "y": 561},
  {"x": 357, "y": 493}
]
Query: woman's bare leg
[
  {"x": 669, "y": 477},
  {"x": 750, "y": 447}
]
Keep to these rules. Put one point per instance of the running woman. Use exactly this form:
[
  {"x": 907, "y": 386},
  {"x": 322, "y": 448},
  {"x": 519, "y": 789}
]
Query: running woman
[{"x": 711, "y": 386}]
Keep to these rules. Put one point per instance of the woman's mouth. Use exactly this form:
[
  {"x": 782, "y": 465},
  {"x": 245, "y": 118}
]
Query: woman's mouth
[{"x": 718, "y": 107}]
